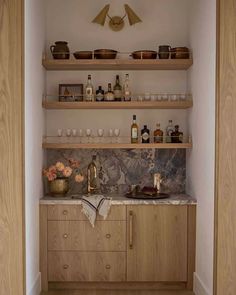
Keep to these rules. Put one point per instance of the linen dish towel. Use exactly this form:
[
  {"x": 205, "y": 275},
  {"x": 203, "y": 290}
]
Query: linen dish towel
[{"x": 95, "y": 204}]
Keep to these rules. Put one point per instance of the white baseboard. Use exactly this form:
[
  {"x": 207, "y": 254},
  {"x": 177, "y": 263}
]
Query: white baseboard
[
  {"x": 198, "y": 287},
  {"x": 36, "y": 289}
]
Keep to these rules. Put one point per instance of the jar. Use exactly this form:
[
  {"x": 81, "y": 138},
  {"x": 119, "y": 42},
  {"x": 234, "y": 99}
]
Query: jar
[
  {"x": 164, "y": 52},
  {"x": 60, "y": 50}
]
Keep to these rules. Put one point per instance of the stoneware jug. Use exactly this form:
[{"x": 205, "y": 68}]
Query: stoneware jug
[
  {"x": 60, "y": 50},
  {"x": 164, "y": 51}
]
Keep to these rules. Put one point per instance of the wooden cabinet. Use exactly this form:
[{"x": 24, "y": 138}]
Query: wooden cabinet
[
  {"x": 81, "y": 236},
  {"x": 157, "y": 247},
  {"x": 139, "y": 244},
  {"x": 86, "y": 266}
]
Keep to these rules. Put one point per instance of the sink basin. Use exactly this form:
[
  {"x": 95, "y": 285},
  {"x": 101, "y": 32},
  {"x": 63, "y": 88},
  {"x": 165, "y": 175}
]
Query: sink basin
[
  {"x": 76, "y": 197},
  {"x": 143, "y": 196}
]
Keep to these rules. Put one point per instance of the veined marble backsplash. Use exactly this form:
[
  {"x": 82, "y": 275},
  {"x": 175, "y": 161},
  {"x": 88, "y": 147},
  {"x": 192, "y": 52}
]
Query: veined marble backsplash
[{"x": 118, "y": 169}]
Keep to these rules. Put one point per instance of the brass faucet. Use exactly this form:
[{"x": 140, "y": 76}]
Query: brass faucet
[
  {"x": 157, "y": 182},
  {"x": 92, "y": 177}
]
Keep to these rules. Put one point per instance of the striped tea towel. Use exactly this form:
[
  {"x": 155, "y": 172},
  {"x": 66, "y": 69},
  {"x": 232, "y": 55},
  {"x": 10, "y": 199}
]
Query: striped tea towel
[{"x": 93, "y": 204}]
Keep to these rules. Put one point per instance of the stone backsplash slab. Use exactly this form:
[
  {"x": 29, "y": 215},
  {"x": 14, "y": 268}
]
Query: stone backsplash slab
[{"x": 118, "y": 169}]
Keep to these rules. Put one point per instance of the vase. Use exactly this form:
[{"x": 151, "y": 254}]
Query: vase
[
  {"x": 59, "y": 186},
  {"x": 60, "y": 50}
]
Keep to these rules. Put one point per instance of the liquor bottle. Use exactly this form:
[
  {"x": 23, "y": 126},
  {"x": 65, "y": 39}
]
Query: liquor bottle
[
  {"x": 100, "y": 94},
  {"x": 92, "y": 184},
  {"x": 117, "y": 89},
  {"x": 145, "y": 134},
  {"x": 126, "y": 89},
  {"x": 109, "y": 95},
  {"x": 169, "y": 130},
  {"x": 158, "y": 134},
  {"x": 177, "y": 136},
  {"x": 134, "y": 131},
  {"x": 89, "y": 92}
]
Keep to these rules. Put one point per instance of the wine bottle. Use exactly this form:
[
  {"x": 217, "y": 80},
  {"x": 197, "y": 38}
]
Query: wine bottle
[
  {"x": 117, "y": 89},
  {"x": 134, "y": 131}
]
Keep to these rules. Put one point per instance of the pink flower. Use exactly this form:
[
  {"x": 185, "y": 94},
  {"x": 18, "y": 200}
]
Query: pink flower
[
  {"x": 60, "y": 166},
  {"x": 51, "y": 176},
  {"x": 74, "y": 163},
  {"x": 67, "y": 172},
  {"x": 79, "y": 178},
  {"x": 52, "y": 169}
]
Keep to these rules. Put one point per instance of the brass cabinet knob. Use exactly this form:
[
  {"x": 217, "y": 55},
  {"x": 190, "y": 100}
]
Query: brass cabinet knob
[
  {"x": 65, "y": 212},
  {"x": 108, "y": 236},
  {"x": 108, "y": 266},
  {"x": 65, "y": 236},
  {"x": 65, "y": 266}
]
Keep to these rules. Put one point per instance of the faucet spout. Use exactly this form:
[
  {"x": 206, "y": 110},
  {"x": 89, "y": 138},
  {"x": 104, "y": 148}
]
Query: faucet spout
[{"x": 92, "y": 186}]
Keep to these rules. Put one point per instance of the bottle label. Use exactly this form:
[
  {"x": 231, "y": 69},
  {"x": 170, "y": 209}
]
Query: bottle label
[
  {"x": 117, "y": 94},
  {"x": 145, "y": 136},
  {"x": 134, "y": 133},
  {"x": 99, "y": 97}
]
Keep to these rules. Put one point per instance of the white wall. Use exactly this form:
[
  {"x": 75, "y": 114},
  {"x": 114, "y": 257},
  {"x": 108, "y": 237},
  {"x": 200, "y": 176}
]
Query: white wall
[
  {"x": 34, "y": 122},
  {"x": 164, "y": 22},
  {"x": 200, "y": 164}
]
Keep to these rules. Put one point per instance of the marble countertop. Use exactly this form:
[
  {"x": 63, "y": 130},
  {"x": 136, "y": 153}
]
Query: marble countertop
[{"x": 173, "y": 199}]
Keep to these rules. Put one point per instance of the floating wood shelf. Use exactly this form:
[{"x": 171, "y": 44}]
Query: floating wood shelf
[
  {"x": 47, "y": 145},
  {"x": 116, "y": 64},
  {"x": 56, "y": 105}
]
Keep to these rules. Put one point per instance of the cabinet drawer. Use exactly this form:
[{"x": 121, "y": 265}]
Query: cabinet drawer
[
  {"x": 81, "y": 236},
  {"x": 73, "y": 212},
  {"x": 86, "y": 266}
]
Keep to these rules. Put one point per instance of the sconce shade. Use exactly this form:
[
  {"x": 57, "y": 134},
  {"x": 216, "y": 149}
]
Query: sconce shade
[
  {"x": 101, "y": 17},
  {"x": 132, "y": 16}
]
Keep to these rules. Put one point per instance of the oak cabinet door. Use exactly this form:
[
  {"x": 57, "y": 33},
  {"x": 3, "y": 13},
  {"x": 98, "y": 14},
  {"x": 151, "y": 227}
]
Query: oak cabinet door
[{"x": 157, "y": 243}]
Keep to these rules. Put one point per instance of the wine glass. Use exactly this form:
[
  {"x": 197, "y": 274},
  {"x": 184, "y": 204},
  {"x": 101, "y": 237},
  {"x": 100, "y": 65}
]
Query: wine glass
[
  {"x": 100, "y": 133},
  {"x": 110, "y": 133},
  {"x": 81, "y": 134},
  {"x": 68, "y": 132},
  {"x": 88, "y": 134},
  {"x": 59, "y": 132},
  {"x": 117, "y": 133}
]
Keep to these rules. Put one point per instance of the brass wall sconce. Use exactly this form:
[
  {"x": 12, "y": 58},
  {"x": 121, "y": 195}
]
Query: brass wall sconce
[{"x": 116, "y": 23}]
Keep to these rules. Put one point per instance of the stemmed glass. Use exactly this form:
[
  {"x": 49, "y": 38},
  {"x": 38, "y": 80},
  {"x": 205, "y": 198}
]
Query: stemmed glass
[
  {"x": 110, "y": 134},
  {"x": 100, "y": 133},
  {"x": 88, "y": 134},
  {"x": 81, "y": 133},
  {"x": 117, "y": 133}
]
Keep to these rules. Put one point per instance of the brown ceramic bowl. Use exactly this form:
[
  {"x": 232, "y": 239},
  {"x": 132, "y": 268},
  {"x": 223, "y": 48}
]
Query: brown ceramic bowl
[
  {"x": 105, "y": 54},
  {"x": 83, "y": 55},
  {"x": 144, "y": 54},
  {"x": 180, "y": 53}
]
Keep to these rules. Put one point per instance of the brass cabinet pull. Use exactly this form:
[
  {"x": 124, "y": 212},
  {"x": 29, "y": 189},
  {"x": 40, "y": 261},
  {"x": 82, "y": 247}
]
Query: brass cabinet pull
[
  {"x": 131, "y": 229},
  {"x": 65, "y": 266},
  {"x": 65, "y": 236},
  {"x": 65, "y": 212},
  {"x": 108, "y": 266},
  {"x": 108, "y": 236}
]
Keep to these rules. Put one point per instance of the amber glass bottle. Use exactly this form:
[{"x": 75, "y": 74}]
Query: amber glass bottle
[
  {"x": 134, "y": 131},
  {"x": 158, "y": 134}
]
